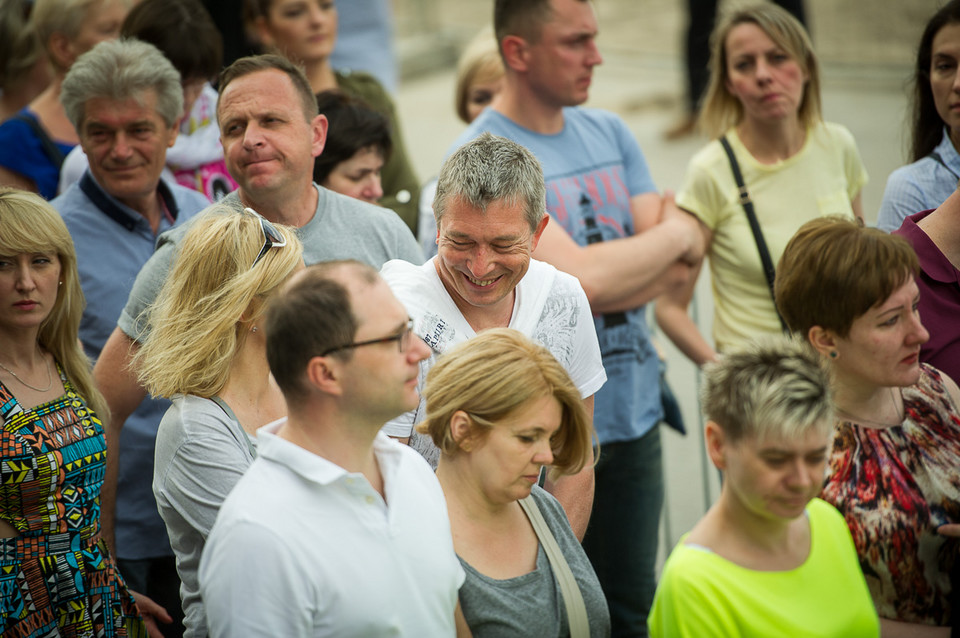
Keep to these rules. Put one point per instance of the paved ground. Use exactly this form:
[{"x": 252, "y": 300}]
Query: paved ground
[{"x": 866, "y": 47}]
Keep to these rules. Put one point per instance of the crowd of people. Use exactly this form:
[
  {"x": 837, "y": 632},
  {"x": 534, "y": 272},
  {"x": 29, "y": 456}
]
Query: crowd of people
[{"x": 256, "y": 379}]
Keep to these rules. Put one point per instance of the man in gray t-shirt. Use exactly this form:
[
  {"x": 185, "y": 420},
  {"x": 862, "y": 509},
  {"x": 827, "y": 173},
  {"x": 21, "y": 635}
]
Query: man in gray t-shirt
[{"x": 271, "y": 133}]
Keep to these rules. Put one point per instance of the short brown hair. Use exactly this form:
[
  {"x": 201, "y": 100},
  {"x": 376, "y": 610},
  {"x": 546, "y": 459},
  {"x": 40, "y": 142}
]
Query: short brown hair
[
  {"x": 268, "y": 62},
  {"x": 312, "y": 314},
  {"x": 834, "y": 270},
  {"x": 495, "y": 374},
  {"x": 353, "y": 126},
  {"x": 720, "y": 109},
  {"x": 524, "y": 18}
]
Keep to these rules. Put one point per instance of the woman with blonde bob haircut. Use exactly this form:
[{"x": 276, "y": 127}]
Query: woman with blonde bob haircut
[
  {"x": 207, "y": 350},
  {"x": 50, "y": 514},
  {"x": 501, "y": 408},
  {"x": 769, "y": 559},
  {"x": 762, "y": 111},
  {"x": 891, "y": 469}
]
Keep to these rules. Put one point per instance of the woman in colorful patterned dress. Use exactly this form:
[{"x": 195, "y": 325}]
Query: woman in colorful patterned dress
[
  {"x": 57, "y": 577},
  {"x": 893, "y": 462}
]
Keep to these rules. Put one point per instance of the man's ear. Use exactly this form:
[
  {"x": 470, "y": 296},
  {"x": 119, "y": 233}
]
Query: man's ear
[
  {"x": 461, "y": 429},
  {"x": 323, "y": 374},
  {"x": 318, "y": 127},
  {"x": 514, "y": 50},
  {"x": 716, "y": 442},
  {"x": 174, "y": 131},
  {"x": 539, "y": 231}
]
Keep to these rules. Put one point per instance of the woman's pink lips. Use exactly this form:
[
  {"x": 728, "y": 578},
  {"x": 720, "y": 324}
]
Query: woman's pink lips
[{"x": 26, "y": 305}]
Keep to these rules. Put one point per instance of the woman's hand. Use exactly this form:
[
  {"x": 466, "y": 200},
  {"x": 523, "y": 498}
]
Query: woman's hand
[
  {"x": 151, "y": 613},
  {"x": 950, "y": 529}
]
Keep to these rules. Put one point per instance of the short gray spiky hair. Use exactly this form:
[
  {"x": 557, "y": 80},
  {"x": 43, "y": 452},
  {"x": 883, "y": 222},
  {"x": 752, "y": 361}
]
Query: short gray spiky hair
[
  {"x": 773, "y": 387},
  {"x": 121, "y": 69},
  {"x": 491, "y": 169}
]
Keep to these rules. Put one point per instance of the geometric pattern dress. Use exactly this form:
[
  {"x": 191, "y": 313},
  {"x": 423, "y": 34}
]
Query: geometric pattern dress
[{"x": 57, "y": 577}]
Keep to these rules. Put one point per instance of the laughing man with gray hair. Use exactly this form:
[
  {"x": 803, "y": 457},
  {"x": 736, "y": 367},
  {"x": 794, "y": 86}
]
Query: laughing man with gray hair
[{"x": 490, "y": 214}]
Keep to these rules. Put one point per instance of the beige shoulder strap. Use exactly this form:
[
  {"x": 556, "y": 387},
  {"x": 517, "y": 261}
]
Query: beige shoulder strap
[{"x": 572, "y": 598}]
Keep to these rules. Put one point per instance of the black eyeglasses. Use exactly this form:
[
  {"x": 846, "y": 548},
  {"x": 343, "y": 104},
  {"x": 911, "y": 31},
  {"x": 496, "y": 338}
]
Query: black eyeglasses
[
  {"x": 271, "y": 236},
  {"x": 402, "y": 339}
]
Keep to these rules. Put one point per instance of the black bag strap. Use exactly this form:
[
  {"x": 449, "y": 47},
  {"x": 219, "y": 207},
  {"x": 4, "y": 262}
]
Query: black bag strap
[
  {"x": 53, "y": 153},
  {"x": 768, "y": 269}
]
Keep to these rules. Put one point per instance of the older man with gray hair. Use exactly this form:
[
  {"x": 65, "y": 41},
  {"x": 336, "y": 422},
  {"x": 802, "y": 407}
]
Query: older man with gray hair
[
  {"x": 125, "y": 100},
  {"x": 490, "y": 211}
]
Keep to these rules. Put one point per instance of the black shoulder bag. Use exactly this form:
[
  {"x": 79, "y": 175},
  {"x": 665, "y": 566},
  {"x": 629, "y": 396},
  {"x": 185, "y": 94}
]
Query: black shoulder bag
[{"x": 768, "y": 269}]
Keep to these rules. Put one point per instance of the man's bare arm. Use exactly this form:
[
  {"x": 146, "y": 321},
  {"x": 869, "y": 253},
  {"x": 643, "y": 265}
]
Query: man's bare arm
[
  {"x": 673, "y": 317},
  {"x": 575, "y": 492},
  {"x": 622, "y": 274},
  {"x": 123, "y": 393}
]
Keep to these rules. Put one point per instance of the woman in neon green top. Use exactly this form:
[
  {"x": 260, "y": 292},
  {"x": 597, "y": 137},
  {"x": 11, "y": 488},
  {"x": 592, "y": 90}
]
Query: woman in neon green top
[{"x": 768, "y": 559}]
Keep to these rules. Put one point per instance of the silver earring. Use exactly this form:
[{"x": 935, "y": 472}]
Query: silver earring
[{"x": 253, "y": 329}]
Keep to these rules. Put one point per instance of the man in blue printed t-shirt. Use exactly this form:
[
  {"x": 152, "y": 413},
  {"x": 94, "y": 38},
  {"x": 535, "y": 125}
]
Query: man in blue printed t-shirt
[{"x": 611, "y": 229}]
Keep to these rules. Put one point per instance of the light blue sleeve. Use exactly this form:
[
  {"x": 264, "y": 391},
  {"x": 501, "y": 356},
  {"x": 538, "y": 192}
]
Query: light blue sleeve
[
  {"x": 639, "y": 179},
  {"x": 902, "y": 197}
]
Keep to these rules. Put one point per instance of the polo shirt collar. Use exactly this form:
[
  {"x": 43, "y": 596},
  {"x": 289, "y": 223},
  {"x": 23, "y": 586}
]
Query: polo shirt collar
[
  {"x": 119, "y": 212},
  {"x": 315, "y": 468}
]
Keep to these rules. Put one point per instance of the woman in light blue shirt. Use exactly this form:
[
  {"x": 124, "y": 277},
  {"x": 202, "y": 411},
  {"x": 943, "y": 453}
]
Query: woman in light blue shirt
[{"x": 935, "y": 135}]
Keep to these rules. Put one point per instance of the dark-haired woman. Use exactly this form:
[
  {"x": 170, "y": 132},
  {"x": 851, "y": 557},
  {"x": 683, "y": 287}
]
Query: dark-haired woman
[
  {"x": 358, "y": 145},
  {"x": 933, "y": 175}
]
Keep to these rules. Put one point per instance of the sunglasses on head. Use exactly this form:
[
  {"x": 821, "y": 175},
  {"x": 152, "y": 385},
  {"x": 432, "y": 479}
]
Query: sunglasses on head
[{"x": 272, "y": 238}]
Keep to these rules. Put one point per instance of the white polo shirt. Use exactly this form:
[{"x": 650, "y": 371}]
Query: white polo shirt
[{"x": 303, "y": 548}]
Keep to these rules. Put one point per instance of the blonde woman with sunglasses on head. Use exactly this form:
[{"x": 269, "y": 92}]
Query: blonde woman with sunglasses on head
[{"x": 207, "y": 351}]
